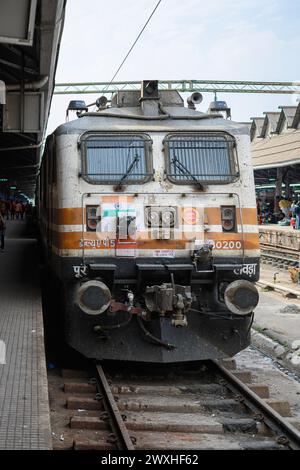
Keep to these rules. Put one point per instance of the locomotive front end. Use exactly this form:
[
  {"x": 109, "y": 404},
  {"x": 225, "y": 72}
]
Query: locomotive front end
[{"x": 157, "y": 245}]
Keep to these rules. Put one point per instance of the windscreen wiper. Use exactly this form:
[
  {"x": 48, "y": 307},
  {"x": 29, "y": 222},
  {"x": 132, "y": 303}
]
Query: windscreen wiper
[
  {"x": 184, "y": 170},
  {"x": 128, "y": 171}
]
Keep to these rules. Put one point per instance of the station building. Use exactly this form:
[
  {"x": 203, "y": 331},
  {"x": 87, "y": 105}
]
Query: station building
[{"x": 275, "y": 142}]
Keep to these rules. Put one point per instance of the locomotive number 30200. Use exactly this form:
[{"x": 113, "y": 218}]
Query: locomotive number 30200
[{"x": 227, "y": 245}]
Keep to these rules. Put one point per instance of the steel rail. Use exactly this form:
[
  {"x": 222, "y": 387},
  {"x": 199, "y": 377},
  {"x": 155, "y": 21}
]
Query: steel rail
[
  {"x": 268, "y": 245},
  {"x": 119, "y": 429},
  {"x": 280, "y": 249},
  {"x": 277, "y": 256},
  {"x": 287, "y": 434},
  {"x": 280, "y": 256}
]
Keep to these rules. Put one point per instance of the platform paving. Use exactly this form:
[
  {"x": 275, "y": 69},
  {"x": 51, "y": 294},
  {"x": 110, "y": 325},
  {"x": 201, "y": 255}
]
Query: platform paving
[
  {"x": 282, "y": 277},
  {"x": 277, "y": 317},
  {"x": 24, "y": 409}
]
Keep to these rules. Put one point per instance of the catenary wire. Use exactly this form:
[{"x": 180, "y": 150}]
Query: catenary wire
[
  {"x": 132, "y": 47},
  {"x": 136, "y": 40}
]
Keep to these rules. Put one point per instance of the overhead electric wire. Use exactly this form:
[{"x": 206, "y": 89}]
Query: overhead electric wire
[{"x": 131, "y": 48}]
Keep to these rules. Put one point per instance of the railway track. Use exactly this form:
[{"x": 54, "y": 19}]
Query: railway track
[
  {"x": 279, "y": 257},
  {"x": 205, "y": 408}
]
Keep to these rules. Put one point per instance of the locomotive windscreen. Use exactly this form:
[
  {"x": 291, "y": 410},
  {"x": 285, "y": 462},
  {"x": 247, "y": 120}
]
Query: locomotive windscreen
[
  {"x": 110, "y": 159},
  {"x": 205, "y": 158}
]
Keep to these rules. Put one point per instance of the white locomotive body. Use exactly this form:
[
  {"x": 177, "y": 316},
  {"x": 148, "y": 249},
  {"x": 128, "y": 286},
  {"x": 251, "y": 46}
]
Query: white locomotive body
[{"x": 148, "y": 220}]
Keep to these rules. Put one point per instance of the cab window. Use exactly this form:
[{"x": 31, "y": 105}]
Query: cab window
[
  {"x": 203, "y": 157},
  {"x": 112, "y": 159}
]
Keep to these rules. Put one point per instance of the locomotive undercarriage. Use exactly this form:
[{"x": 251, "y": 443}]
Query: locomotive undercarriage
[{"x": 162, "y": 311}]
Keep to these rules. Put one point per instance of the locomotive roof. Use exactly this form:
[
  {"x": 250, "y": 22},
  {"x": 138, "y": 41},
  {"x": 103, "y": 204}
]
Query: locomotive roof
[{"x": 132, "y": 119}]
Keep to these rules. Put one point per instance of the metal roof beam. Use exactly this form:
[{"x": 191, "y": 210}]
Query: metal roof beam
[{"x": 190, "y": 86}]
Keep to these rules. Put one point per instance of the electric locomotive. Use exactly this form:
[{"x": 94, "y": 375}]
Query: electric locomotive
[{"x": 149, "y": 224}]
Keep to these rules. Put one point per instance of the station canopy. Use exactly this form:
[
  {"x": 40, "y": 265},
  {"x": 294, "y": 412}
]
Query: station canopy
[
  {"x": 275, "y": 144},
  {"x": 30, "y": 34}
]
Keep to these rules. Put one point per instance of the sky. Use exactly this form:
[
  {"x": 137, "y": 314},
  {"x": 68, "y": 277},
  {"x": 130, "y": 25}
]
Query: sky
[{"x": 190, "y": 39}]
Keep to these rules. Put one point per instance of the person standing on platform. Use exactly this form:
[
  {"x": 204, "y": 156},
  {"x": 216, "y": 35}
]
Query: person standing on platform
[
  {"x": 22, "y": 210},
  {"x": 2, "y": 207},
  {"x": 18, "y": 210},
  {"x": 12, "y": 210},
  {"x": 2, "y": 232},
  {"x": 7, "y": 209},
  {"x": 285, "y": 207},
  {"x": 297, "y": 214},
  {"x": 293, "y": 218}
]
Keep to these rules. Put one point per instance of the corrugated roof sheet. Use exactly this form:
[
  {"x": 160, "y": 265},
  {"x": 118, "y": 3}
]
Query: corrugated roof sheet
[
  {"x": 289, "y": 112},
  {"x": 296, "y": 120},
  {"x": 256, "y": 127},
  {"x": 286, "y": 118},
  {"x": 271, "y": 119},
  {"x": 278, "y": 150}
]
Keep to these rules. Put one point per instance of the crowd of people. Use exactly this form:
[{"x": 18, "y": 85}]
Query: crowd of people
[
  {"x": 287, "y": 212},
  {"x": 12, "y": 210},
  {"x": 2, "y": 232}
]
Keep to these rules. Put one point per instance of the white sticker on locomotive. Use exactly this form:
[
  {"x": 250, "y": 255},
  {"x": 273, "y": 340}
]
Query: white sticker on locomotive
[
  {"x": 125, "y": 252},
  {"x": 248, "y": 269},
  {"x": 164, "y": 253}
]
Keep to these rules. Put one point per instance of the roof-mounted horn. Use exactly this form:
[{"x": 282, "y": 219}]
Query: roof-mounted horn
[
  {"x": 149, "y": 90},
  {"x": 150, "y": 98}
]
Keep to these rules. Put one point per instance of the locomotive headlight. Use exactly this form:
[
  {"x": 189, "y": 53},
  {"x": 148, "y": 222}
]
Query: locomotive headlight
[
  {"x": 92, "y": 218},
  {"x": 241, "y": 297},
  {"x": 228, "y": 218},
  {"x": 156, "y": 216},
  {"x": 93, "y": 297},
  {"x": 168, "y": 217},
  {"x": 154, "y": 219},
  {"x": 152, "y": 216}
]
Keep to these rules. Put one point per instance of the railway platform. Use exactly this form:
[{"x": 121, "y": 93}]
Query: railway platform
[
  {"x": 276, "y": 322},
  {"x": 279, "y": 236},
  {"x": 24, "y": 409}
]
